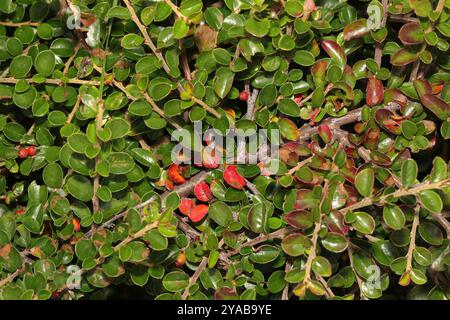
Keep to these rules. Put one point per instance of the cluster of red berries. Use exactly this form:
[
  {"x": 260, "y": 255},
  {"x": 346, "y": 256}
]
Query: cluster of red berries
[
  {"x": 203, "y": 193},
  {"x": 27, "y": 152}
]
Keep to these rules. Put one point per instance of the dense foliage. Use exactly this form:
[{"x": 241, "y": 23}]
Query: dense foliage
[{"x": 91, "y": 201}]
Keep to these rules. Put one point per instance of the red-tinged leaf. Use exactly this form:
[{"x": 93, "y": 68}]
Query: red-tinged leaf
[
  {"x": 380, "y": 159},
  {"x": 318, "y": 72},
  {"x": 393, "y": 127},
  {"x": 403, "y": 57},
  {"x": 356, "y": 29},
  {"x": 288, "y": 129},
  {"x": 436, "y": 105},
  {"x": 374, "y": 91},
  {"x": 335, "y": 223},
  {"x": 305, "y": 199},
  {"x": 411, "y": 33},
  {"x": 422, "y": 87},
  {"x": 395, "y": 95},
  {"x": 300, "y": 219},
  {"x": 225, "y": 293},
  {"x": 371, "y": 138},
  {"x": 325, "y": 133},
  {"x": 334, "y": 51},
  {"x": 308, "y": 7}
]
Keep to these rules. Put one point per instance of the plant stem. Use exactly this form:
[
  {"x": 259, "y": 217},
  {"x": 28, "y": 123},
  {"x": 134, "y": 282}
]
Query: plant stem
[
  {"x": 259, "y": 239},
  {"x": 195, "y": 276},
  {"x": 312, "y": 251},
  {"x": 51, "y": 81},
  {"x": 379, "y": 45},
  {"x": 147, "y": 39},
  {"x": 136, "y": 235},
  {"x": 439, "y": 217},
  {"x": 177, "y": 11},
  {"x": 19, "y": 24},
  {"x": 298, "y": 166},
  {"x": 206, "y": 107},
  {"x": 358, "y": 279},
  {"x": 412, "y": 240},
  {"x": 306, "y": 131},
  {"x": 415, "y": 190},
  {"x": 251, "y": 102}
]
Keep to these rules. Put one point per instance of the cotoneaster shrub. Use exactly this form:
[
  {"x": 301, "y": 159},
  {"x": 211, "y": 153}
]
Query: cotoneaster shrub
[{"x": 92, "y": 202}]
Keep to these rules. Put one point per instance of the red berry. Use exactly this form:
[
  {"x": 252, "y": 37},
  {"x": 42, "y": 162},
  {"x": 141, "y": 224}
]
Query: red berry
[
  {"x": 198, "y": 213},
  {"x": 211, "y": 158},
  {"x": 20, "y": 211},
  {"x": 233, "y": 178},
  {"x": 243, "y": 96},
  {"x": 76, "y": 225},
  {"x": 298, "y": 98},
  {"x": 174, "y": 174},
  {"x": 186, "y": 206},
  {"x": 31, "y": 150},
  {"x": 23, "y": 153},
  {"x": 203, "y": 192},
  {"x": 181, "y": 259}
]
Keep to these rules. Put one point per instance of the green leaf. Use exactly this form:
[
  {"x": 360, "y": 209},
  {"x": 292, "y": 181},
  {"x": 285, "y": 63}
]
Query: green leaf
[
  {"x": 394, "y": 217},
  {"x": 80, "y": 187},
  {"x": 364, "y": 181},
  {"x": 175, "y": 281},
  {"x": 295, "y": 244},
  {"x": 257, "y": 217},
  {"x": 257, "y": 28},
  {"x": 223, "y": 82},
  {"x": 335, "y": 242},
  {"x": 45, "y": 63},
  {"x": 264, "y": 254},
  {"x": 120, "y": 162},
  {"x": 221, "y": 213},
  {"x": 431, "y": 201},
  {"x": 322, "y": 266},
  {"x": 53, "y": 175}
]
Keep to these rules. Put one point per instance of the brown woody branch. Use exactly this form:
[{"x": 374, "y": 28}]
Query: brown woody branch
[{"x": 306, "y": 131}]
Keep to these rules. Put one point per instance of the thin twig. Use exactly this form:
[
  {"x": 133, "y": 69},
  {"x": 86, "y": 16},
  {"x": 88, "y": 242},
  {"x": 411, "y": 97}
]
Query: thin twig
[
  {"x": 74, "y": 110},
  {"x": 51, "y": 81},
  {"x": 276, "y": 234},
  {"x": 205, "y": 106},
  {"x": 412, "y": 240},
  {"x": 147, "y": 39},
  {"x": 328, "y": 292},
  {"x": 415, "y": 190},
  {"x": 251, "y": 102},
  {"x": 285, "y": 294},
  {"x": 118, "y": 216},
  {"x": 194, "y": 277},
  {"x": 71, "y": 58},
  {"x": 312, "y": 251},
  {"x": 358, "y": 279},
  {"x": 298, "y": 166},
  {"x": 379, "y": 45},
  {"x": 439, "y": 217},
  {"x": 177, "y": 11},
  {"x": 306, "y": 131},
  {"x": 19, "y": 24}
]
